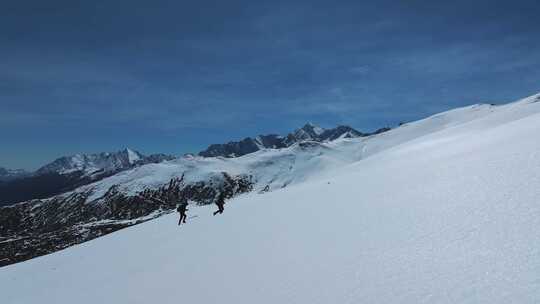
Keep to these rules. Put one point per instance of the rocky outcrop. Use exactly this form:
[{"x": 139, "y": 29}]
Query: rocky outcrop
[{"x": 39, "y": 227}]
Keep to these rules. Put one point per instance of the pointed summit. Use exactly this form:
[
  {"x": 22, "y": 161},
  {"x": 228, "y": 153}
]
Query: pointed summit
[
  {"x": 132, "y": 156},
  {"x": 105, "y": 162},
  {"x": 312, "y": 129},
  {"x": 309, "y": 132}
]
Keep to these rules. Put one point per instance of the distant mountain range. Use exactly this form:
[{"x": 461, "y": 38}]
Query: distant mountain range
[
  {"x": 69, "y": 172},
  {"x": 11, "y": 174},
  {"x": 99, "y": 163},
  {"x": 308, "y": 132},
  {"x": 80, "y": 197}
]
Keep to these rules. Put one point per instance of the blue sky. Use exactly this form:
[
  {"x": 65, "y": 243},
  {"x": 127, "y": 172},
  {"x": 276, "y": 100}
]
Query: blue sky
[{"x": 176, "y": 76}]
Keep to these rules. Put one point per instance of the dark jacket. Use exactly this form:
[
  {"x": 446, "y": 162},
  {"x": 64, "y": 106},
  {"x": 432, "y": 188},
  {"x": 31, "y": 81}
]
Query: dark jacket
[
  {"x": 182, "y": 207},
  {"x": 221, "y": 199}
]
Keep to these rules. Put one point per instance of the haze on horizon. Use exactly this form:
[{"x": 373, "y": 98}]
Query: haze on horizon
[{"x": 176, "y": 76}]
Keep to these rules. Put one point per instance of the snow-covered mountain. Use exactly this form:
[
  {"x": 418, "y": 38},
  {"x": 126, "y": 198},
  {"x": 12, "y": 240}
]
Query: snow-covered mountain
[
  {"x": 245, "y": 146},
  {"x": 69, "y": 172},
  {"x": 101, "y": 162},
  {"x": 308, "y": 132},
  {"x": 314, "y": 133},
  {"x": 11, "y": 174},
  {"x": 441, "y": 210}
]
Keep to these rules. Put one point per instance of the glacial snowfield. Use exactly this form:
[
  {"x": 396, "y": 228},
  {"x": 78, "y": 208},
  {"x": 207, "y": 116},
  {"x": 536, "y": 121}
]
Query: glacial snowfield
[{"x": 443, "y": 210}]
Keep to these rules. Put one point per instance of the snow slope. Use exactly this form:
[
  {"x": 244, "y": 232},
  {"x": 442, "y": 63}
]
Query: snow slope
[
  {"x": 443, "y": 210},
  {"x": 277, "y": 168}
]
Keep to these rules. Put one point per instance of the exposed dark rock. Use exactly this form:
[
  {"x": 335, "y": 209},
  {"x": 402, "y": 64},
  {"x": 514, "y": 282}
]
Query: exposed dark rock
[
  {"x": 308, "y": 132},
  {"x": 38, "y": 227},
  {"x": 245, "y": 146},
  {"x": 338, "y": 132}
]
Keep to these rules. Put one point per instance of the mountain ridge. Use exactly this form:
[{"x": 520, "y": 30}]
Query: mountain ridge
[
  {"x": 103, "y": 161},
  {"x": 66, "y": 173},
  {"x": 69, "y": 172},
  {"x": 309, "y": 132}
]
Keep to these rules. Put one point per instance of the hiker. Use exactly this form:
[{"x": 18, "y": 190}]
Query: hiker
[
  {"x": 220, "y": 201},
  {"x": 182, "y": 208}
]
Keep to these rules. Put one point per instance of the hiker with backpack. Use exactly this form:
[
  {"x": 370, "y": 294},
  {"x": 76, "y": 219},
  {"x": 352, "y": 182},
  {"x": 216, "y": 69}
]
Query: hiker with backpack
[
  {"x": 220, "y": 202},
  {"x": 182, "y": 208}
]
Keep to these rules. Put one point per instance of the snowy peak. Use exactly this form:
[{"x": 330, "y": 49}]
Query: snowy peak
[
  {"x": 88, "y": 163},
  {"x": 243, "y": 147},
  {"x": 312, "y": 129},
  {"x": 132, "y": 156},
  {"x": 100, "y": 162},
  {"x": 314, "y": 133},
  {"x": 309, "y": 132},
  {"x": 69, "y": 172}
]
